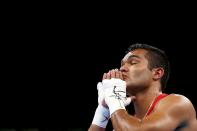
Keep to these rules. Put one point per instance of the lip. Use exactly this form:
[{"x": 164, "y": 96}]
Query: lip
[{"x": 124, "y": 77}]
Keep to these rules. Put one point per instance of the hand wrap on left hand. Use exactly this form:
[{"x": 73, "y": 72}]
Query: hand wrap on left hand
[{"x": 115, "y": 94}]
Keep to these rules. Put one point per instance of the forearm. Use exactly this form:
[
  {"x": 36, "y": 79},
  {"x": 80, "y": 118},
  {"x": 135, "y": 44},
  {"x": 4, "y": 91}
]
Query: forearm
[
  {"x": 100, "y": 119},
  {"x": 94, "y": 127},
  {"x": 121, "y": 120}
]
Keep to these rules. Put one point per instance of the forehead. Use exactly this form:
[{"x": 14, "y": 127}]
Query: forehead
[{"x": 138, "y": 53}]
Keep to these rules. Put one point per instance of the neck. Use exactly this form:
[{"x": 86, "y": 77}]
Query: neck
[{"x": 143, "y": 101}]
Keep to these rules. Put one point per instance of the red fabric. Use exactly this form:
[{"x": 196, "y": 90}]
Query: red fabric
[{"x": 161, "y": 96}]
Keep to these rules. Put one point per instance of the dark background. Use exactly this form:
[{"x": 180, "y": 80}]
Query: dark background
[{"x": 53, "y": 61}]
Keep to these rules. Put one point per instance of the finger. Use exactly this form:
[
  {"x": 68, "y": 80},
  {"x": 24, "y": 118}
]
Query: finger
[
  {"x": 108, "y": 75},
  {"x": 113, "y": 74},
  {"x": 133, "y": 98},
  {"x": 129, "y": 100},
  {"x": 99, "y": 86},
  {"x": 120, "y": 75},
  {"x": 104, "y": 76},
  {"x": 117, "y": 73}
]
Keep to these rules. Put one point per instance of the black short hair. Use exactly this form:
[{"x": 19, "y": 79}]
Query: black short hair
[{"x": 156, "y": 58}]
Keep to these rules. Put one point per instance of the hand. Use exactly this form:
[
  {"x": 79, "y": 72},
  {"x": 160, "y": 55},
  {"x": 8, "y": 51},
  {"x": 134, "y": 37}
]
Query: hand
[
  {"x": 113, "y": 74},
  {"x": 115, "y": 91},
  {"x": 112, "y": 79},
  {"x": 115, "y": 94},
  {"x": 101, "y": 98},
  {"x": 102, "y": 112}
]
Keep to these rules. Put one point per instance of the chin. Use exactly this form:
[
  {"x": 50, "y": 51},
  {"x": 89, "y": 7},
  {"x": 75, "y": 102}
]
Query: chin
[{"x": 131, "y": 89}]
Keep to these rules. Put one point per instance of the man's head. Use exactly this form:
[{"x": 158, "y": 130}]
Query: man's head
[{"x": 144, "y": 63}]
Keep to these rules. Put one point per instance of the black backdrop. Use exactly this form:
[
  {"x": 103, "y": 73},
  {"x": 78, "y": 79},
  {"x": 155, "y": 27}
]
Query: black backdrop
[
  {"x": 52, "y": 66},
  {"x": 55, "y": 85}
]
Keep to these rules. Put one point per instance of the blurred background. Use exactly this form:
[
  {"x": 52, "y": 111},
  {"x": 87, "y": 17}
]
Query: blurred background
[{"x": 53, "y": 59}]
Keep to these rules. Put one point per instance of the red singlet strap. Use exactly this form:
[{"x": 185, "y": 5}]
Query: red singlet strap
[{"x": 161, "y": 96}]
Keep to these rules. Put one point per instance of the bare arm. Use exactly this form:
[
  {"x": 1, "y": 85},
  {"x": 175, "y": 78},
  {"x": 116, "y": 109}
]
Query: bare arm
[
  {"x": 169, "y": 114},
  {"x": 96, "y": 128}
]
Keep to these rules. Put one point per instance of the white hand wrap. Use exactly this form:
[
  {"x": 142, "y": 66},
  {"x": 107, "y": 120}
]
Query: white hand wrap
[
  {"x": 115, "y": 94},
  {"x": 101, "y": 94},
  {"x": 101, "y": 116}
]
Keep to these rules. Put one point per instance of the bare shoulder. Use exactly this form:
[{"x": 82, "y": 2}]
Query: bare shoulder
[
  {"x": 178, "y": 105},
  {"x": 172, "y": 112},
  {"x": 181, "y": 99},
  {"x": 178, "y": 100}
]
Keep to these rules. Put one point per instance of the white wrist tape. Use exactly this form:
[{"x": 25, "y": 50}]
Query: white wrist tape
[{"x": 101, "y": 116}]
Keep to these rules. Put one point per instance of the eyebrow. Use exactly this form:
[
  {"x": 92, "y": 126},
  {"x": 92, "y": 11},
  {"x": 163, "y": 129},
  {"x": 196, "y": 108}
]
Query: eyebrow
[{"x": 131, "y": 56}]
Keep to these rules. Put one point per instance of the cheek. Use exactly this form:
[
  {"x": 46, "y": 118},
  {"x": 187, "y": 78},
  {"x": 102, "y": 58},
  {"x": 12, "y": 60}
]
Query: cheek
[{"x": 141, "y": 75}]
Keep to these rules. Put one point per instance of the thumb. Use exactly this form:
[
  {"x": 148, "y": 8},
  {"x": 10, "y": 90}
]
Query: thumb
[
  {"x": 129, "y": 100},
  {"x": 99, "y": 86}
]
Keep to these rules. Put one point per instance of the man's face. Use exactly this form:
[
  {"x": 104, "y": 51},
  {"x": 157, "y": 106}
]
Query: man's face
[{"x": 134, "y": 67}]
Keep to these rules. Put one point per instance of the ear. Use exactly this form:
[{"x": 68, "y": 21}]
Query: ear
[{"x": 157, "y": 73}]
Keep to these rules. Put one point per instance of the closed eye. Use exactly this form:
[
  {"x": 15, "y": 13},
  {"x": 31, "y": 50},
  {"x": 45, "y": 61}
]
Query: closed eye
[
  {"x": 132, "y": 59},
  {"x": 133, "y": 62}
]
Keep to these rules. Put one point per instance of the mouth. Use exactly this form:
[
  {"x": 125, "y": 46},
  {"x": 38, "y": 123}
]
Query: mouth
[{"x": 124, "y": 77}]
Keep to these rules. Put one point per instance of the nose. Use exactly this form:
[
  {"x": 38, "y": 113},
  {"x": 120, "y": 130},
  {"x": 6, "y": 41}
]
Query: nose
[{"x": 124, "y": 68}]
